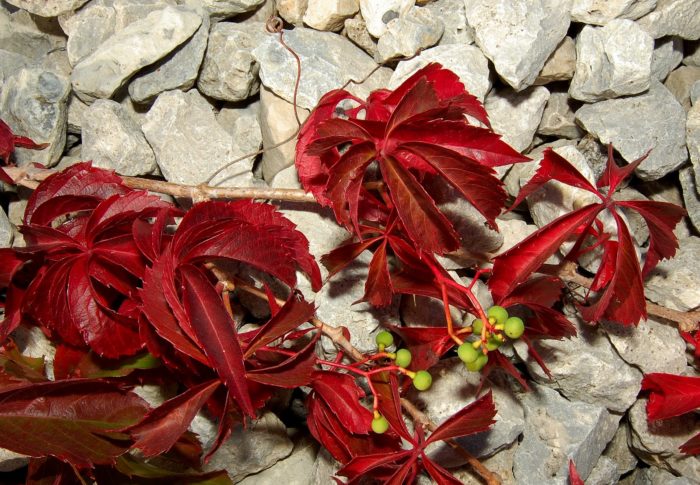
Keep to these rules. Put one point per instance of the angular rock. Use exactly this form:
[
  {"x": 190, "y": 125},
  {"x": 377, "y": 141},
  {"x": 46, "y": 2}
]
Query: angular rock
[
  {"x": 695, "y": 93},
  {"x": 356, "y": 31},
  {"x": 277, "y": 123},
  {"x": 453, "y": 388},
  {"x": 189, "y": 144},
  {"x": 558, "y": 119},
  {"x": 561, "y": 64},
  {"x": 378, "y": 13},
  {"x": 673, "y": 283},
  {"x": 657, "y": 443},
  {"x": 229, "y": 71},
  {"x": 501, "y": 464},
  {"x": 113, "y": 140},
  {"x": 600, "y": 12},
  {"x": 680, "y": 81},
  {"x": 619, "y": 451},
  {"x": 52, "y": 8},
  {"x": 223, "y": 9},
  {"x": 178, "y": 70},
  {"x": 585, "y": 368},
  {"x": 653, "y": 120},
  {"x": 11, "y": 461},
  {"x": 520, "y": 173},
  {"x": 604, "y": 472},
  {"x": 516, "y": 115},
  {"x": 292, "y": 10},
  {"x": 658, "y": 476},
  {"x": 518, "y": 36},
  {"x": 32, "y": 342},
  {"x": 673, "y": 17},
  {"x": 668, "y": 54},
  {"x": 650, "y": 346},
  {"x": 293, "y": 470},
  {"x": 21, "y": 39},
  {"x": 324, "y": 467},
  {"x": 33, "y": 104},
  {"x": 408, "y": 34},
  {"x": 692, "y": 128},
  {"x": 244, "y": 126},
  {"x": 611, "y": 61},
  {"x": 249, "y": 450},
  {"x": 10, "y": 63},
  {"x": 329, "y": 14},
  {"x": 138, "y": 45},
  {"x": 691, "y": 196},
  {"x": 513, "y": 231},
  {"x": 329, "y": 61},
  {"x": 466, "y": 61},
  {"x": 557, "y": 430},
  {"x": 453, "y": 16},
  {"x": 7, "y": 233}
]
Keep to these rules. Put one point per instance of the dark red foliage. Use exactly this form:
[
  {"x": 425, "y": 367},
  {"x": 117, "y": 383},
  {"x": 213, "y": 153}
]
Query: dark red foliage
[
  {"x": 574, "y": 478},
  {"x": 8, "y": 142}
]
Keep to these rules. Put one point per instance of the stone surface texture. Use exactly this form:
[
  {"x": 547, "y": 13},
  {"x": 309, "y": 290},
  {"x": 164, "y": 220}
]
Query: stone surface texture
[
  {"x": 558, "y": 118},
  {"x": 673, "y": 17},
  {"x": 673, "y": 283},
  {"x": 50, "y": 8},
  {"x": 408, "y": 34},
  {"x": 516, "y": 115},
  {"x": 668, "y": 54},
  {"x": 453, "y": 16},
  {"x": 600, "y": 12},
  {"x": 681, "y": 81},
  {"x": 329, "y": 14},
  {"x": 378, "y": 13},
  {"x": 561, "y": 64}
]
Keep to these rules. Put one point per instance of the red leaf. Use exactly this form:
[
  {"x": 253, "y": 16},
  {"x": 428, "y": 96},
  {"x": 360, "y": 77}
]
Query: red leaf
[
  {"x": 387, "y": 387},
  {"x": 160, "y": 429},
  {"x": 378, "y": 290},
  {"x": 474, "y": 418},
  {"x": 438, "y": 473},
  {"x": 8, "y": 142},
  {"x": 215, "y": 330},
  {"x": 361, "y": 465},
  {"x": 518, "y": 263},
  {"x": 296, "y": 371},
  {"x": 574, "y": 478},
  {"x": 342, "y": 395},
  {"x": 613, "y": 175},
  {"x": 70, "y": 420},
  {"x": 692, "y": 446},
  {"x": 343, "y": 255},
  {"x": 671, "y": 395}
]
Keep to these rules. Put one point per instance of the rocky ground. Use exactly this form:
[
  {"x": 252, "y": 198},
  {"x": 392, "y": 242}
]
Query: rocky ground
[{"x": 179, "y": 88}]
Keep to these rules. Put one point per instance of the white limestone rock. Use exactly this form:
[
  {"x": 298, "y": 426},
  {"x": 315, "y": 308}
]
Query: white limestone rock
[
  {"x": 653, "y": 120},
  {"x": 519, "y": 35},
  {"x": 7, "y": 233},
  {"x": 50, "y": 8},
  {"x": 138, "y": 45},
  {"x": 680, "y": 82},
  {"x": 673, "y": 283},
  {"x": 673, "y": 17},
  {"x": 691, "y": 196},
  {"x": 408, "y": 34},
  {"x": 293, "y": 470},
  {"x": 230, "y": 71},
  {"x": 223, "y": 9},
  {"x": 23, "y": 40},
  {"x": 329, "y": 14},
  {"x": 600, "y": 12},
  {"x": 453, "y": 16},
  {"x": 113, "y": 140},
  {"x": 378, "y": 13},
  {"x": 292, "y": 10},
  {"x": 668, "y": 54},
  {"x": 561, "y": 64},
  {"x": 611, "y": 61},
  {"x": 558, "y": 118},
  {"x": 466, "y": 61},
  {"x": 516, "y": 115}
]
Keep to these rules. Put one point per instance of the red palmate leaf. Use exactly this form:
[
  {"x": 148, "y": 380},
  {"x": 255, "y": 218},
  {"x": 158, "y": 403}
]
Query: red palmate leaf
[
  {"x": 341, "y": 393},
  {"x": 473, "y": 418},
  {"x": 8, "y": 142},
  {"x": 692, "y": 446},
  {"x": 671, "y": 395},
  {"x": 378, "y": 290},
  {"x": 574, "y": 478},
  {"x": 160, "y": 429},
  {"x": 71, "y": 420},
  {"x": 215, "y": 330},
  {"x": 295, "y": 371},
  {"x": 438, "y": 473}
]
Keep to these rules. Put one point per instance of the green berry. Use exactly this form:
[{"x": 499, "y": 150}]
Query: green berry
[
  {"x": 403, "y": 358},
  {"x": 380, "y": 424},
  {"x": 498, "y": 313},
  {"x": 384, "y": 338},
  {"x": 493, "y": 343},
  {"x": 467, "y": 352},
  {"x": 515, "y": 327},
  {"x": 479, "y": 363},
  {"x": 422, "y": 380},
  {"x": 477, "y": 326}
]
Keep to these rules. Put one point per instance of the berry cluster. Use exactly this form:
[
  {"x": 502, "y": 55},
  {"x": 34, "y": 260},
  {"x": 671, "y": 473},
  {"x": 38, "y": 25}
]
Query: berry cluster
[{"x": 500, "y": 325}]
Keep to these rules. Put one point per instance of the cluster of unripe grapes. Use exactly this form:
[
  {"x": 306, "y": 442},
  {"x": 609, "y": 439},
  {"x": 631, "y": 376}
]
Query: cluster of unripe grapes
[{"x": 473, "y": 354}]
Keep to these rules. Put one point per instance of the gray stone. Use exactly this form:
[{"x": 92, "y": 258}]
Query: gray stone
[
  {"x": 229, "y": 71},
  {"x": 113, "y": 140},
  {"x": 249, "y": 450},
  {"x": 650, "y": 346},
  {"x": 356, "y": 31},
  {"x": 691, "y": 196},
  {"x": 516, "y": 115},
  {"x": 453, "y": 388},
  {"x": 277, "y": 123},
  {"x": 668, "y": 54},
  {"x": 244, "y": 126},
  {"x": 692, "y": 130},
  {"x": 453, "y": 16},
  {"x": 21, "y": 39},
  {"x": 178, "y": 70},
  {"x": 293, "y": 470},
  {"x": 619, "y": 451},
  {"x": 673, "y": 283},
  {"x": 635, "y": 221},
  {"x": 52, "y": 8},
  {"x": 189, "y": 143},
  {"x": 378, "y": 13},
  {"x": 514, "y": 231},
  {"x": 329, "y": 14},
  {"x": 659, "y": 476},
  {"x": 519, "y": 36},
  {"x": 32, "y": 342},
  {"x": 585, "y": 368},
  {"x": 7, "y": 233},
  {"x": 466, "y": 61},
  {"x": 600, "y": 12},
  {"x": 33, "y": 104},
  {"x": 695, "y": 93},
  {"x": 329, "y": 61},
  {"x": 223, "y": 9},
  {"x": 324, "y": 467},
  {"x": 408, "y": 34},
  {"x": 292, "y": 10},
  {"x": 673, "y": 17},
  {"x": 561, "y": 64},
  {"x": 557, "y": 430},
  {"x": 11, "y": 461},
  {"x": 138, "y": 45},
  {"x": 11, "y": 62},
  {"x": 657, "y": 442},
  {"x": 654, "y": 120},
  {"x": 680, "y": 81},
  {"x": 558, "y": 119},
  {"x": 501, "y": 464},
  {"x": 520, "y": 173},
  {"x": 611, "y": 61},
  {"x": 605, "y": 472}
]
